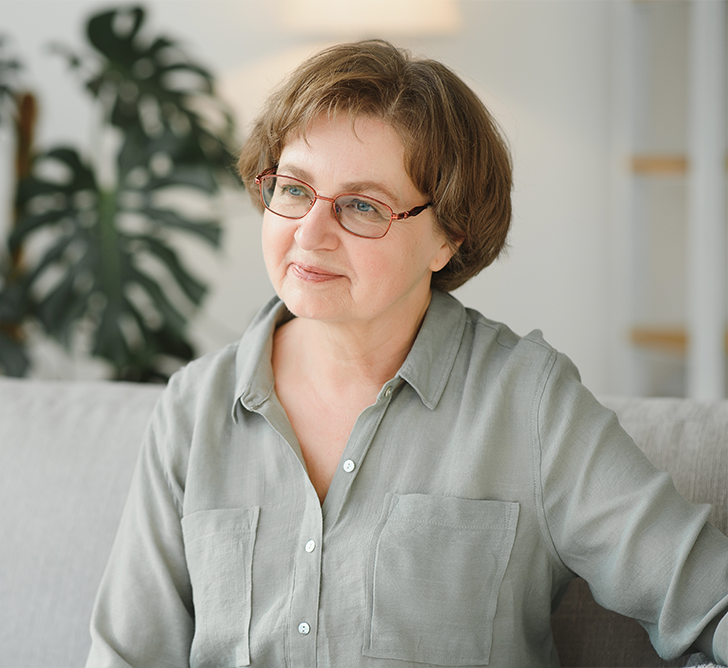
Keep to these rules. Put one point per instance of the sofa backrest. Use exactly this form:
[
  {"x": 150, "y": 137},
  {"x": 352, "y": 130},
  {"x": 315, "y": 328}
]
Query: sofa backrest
[
  {"x": 689, "y": 440},
  {"x": 67, "y": 451}
]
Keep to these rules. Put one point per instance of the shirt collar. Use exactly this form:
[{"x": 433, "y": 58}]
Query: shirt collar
[
  {"x": 427, "y": 367},
  {"x": 253, "y": 368}
]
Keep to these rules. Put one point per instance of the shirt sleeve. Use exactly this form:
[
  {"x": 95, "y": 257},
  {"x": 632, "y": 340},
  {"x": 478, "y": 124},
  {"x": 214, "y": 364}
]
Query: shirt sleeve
[
  {"x": 619, "y": 523},
  {"x": 143, "y": 614}
]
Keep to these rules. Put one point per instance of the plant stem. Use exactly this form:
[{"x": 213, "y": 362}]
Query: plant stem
[
  {"x": 25, "y": 121},
  {"x": 109, "y": 238}
]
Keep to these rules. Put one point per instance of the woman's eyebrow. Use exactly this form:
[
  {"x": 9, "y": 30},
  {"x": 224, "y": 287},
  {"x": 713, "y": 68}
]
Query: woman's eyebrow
[
  {"x": 371, "y": 186},
  {"x": 292, "y": 170},
  {"x": 363, "y": 186}
]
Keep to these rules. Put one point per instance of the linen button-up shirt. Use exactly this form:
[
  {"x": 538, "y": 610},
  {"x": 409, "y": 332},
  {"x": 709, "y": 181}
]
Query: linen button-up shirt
[{"x": 468, "y": 495}]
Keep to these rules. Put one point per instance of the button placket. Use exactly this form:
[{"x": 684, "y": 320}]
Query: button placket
[
  {"x": 360, "y": 439},
  {"x": 304, "y": 605}
]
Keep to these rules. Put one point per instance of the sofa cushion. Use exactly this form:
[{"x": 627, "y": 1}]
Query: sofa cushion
[{"x": 67, "y": 451}]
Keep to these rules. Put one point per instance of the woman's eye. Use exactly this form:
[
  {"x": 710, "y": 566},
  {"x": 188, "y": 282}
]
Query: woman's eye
[
  {"x": 293, "y": 191},
  {"x": 363, "y": 207}
]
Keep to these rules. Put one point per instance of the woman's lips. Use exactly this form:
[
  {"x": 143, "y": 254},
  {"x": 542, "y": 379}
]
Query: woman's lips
[{"x": 312, "y": 274}]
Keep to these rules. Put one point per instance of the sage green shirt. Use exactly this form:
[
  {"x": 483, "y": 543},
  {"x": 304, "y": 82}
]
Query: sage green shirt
[{"x": 482, "y": 479}]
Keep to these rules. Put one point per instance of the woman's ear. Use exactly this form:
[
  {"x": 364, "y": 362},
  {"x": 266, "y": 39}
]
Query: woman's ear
[{"x": 445, "y": 253}]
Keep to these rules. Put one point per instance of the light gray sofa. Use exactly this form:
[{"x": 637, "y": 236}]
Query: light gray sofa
[{"x": 67, "y": 451}]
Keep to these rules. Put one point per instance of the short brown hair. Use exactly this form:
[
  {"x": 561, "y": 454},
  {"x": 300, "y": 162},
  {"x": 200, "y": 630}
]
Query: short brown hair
[{"x": 454, "y": 152}]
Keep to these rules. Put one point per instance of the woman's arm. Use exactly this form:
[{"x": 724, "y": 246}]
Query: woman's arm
[{"x": 620, "y": 524}]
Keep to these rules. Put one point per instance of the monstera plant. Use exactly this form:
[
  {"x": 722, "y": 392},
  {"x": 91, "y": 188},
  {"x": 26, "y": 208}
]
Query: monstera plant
[{"x": 107, "y": 272}]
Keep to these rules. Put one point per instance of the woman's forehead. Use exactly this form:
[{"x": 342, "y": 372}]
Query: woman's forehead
[
  {"x": 356, "y": 154},
  {"x": 346, "y": 137}
]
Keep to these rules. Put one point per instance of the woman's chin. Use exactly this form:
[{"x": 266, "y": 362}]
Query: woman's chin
[{"x": 304, "y": 304}]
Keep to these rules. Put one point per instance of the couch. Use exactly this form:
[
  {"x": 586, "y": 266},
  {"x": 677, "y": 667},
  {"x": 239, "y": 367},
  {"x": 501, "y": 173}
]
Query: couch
[{"x": 67, "y": 451}]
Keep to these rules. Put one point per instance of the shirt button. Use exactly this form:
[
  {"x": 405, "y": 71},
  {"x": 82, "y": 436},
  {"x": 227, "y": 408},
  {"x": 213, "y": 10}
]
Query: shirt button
[
  {"x": 310, "y": 546},
  {"x": 388, "y": 392},
  {"x": 349, "y": 466},
  {"x": 304, "y": 629}
]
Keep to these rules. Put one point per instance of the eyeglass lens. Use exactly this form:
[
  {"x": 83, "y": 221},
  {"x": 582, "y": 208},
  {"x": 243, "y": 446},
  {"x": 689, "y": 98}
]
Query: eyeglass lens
[{"x": 359, "y": 214}]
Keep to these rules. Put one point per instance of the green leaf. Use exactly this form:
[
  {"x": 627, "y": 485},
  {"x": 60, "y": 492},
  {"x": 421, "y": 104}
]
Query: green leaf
[
  {"x": 13, "y": 360},
  {"x": 102, "y": 34},
  {"x": 194, "y": 290},
  {"x": 49, "y": 258},
  {"x": 169, "y": 339},
  {"x": 30, "y": 223},
  {"x": 62, "y": 306},
  {"x": 208, "y": 230},
  {"x": 197, "y": 176},
  {"x": 159, "y": 298},
  {"x": 205, "y": 80},
  {"x": 13, "y": 302},
  {"x": 109, "y": 340}
]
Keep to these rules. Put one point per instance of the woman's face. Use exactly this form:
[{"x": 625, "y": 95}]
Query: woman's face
[{"x": 321, "y": 271}]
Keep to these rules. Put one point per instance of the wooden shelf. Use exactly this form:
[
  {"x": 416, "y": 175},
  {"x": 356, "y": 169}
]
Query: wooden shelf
[
  {"x": 659, "y": 164},
  {"x": 667, "y": 339},
  {"x": 670, "y": 206}
]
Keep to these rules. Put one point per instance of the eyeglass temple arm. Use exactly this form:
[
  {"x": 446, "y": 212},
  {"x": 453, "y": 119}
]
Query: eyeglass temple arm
[
  {"x": 265, "y": 172},
  {"x": 411, "y": 213}
]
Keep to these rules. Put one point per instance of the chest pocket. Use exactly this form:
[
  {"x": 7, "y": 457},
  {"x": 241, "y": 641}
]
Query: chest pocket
[
  {"x": 435, "y": 570},
  {"x": 219, "y": 551}
]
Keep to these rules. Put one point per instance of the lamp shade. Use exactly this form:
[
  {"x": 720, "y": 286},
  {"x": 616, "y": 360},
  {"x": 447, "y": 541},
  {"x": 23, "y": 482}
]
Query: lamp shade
[{"x": 367, "y": 18}]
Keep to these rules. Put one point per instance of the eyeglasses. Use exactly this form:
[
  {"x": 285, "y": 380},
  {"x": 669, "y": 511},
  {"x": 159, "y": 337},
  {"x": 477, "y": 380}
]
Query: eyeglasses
[{"x": 359, "y": 215}]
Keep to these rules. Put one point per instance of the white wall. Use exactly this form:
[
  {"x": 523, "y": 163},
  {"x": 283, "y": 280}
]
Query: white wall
[{"x": 543, "y": 67}]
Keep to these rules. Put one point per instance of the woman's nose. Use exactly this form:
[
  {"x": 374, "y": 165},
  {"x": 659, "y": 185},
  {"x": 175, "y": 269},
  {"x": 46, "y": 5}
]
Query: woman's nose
[{"x": 318, "y": 229}]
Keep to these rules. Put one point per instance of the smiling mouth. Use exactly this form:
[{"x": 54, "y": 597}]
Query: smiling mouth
[{"x": 312, "y": 274}]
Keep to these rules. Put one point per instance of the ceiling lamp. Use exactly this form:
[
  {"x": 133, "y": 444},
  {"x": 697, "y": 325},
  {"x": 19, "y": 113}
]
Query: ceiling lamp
[{"x": 369, "y": 18}]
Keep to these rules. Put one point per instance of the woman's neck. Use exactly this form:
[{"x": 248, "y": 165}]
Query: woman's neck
[{"x": 344, "y": 357}]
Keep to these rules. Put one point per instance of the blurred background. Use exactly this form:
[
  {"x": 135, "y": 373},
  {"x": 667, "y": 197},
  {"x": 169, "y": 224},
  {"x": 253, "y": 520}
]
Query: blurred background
[{"x": 615, "y": 111}]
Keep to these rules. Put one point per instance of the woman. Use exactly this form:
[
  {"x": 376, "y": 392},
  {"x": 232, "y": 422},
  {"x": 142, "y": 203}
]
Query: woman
[{"x": 375, "y": 475}]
